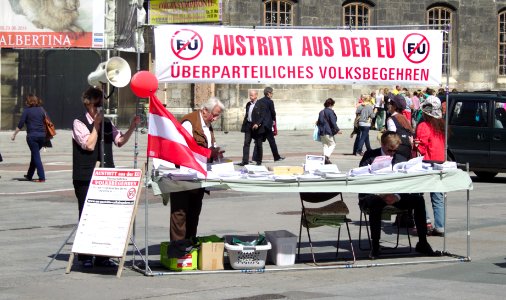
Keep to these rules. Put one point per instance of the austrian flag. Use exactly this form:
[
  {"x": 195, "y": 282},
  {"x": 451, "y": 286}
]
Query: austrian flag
[{"x": 169, "y": 140}]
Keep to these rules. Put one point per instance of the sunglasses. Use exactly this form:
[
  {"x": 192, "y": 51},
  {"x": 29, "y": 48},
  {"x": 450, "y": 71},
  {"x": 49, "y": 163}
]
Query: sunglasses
[{"x": 390, "y": 150}]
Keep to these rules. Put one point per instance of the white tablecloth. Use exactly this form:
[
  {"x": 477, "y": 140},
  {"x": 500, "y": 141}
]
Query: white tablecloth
[{"x": 431, "y": 181}]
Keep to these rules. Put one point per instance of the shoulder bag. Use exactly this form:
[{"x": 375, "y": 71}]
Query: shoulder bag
[{"x": 49, "y": 126}]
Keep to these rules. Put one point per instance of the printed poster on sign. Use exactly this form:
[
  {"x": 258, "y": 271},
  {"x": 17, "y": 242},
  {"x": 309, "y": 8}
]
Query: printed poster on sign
[
  {"x": 52, "y": 24},
  {"x": 107, "y": 213},
  {"x": 297, "y": 56},
  {"x": 183, "y": 12}
]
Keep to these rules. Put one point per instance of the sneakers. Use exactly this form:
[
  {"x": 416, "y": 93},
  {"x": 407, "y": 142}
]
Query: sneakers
[
  {"x": 437, "y": 232},
  {"x": 375, "y": 250},
  {"x": 87, "y": 263},
  {"x": 105, "y": 263},
  {"x": 425, "y": 249},
  {"x": 374, "y": 254}
]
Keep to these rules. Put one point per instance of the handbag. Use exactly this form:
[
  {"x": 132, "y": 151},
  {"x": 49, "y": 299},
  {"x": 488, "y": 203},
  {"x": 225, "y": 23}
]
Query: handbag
[
  {"x": 47, "y": 143},
  {"x": 49, "y": 126},
  {"x": 316, "y": 134}
]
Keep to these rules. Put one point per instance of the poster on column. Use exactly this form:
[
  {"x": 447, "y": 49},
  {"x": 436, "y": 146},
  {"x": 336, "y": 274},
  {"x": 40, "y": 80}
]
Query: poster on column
[
  {"x": 108, "y": 212},
  {"x": 53, "y": 24},
  {"x": 186, "y": 53}
]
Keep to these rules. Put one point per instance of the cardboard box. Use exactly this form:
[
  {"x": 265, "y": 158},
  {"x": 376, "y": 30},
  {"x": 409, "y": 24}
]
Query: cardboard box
[
  {"x": 185, "y": 263},
  {"x": 211, "y": 256},
  {"x": 288, "y": 170}
]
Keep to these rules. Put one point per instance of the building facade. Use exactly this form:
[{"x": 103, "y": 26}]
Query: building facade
[{"x": 473, "y": 58}]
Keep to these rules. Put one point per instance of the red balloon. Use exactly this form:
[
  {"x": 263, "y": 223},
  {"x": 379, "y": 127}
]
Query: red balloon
[{"x": 144, "y": 84}]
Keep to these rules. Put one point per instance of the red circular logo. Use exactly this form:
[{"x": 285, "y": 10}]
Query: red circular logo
[
  {"x": 131, "y": 193},
  {"x": 416, "y": 48},
  {"x": 186, "y": 44}
]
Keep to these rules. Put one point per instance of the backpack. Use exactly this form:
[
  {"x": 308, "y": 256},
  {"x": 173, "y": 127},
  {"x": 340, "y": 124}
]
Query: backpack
[
  {"x": 417, "y": 116},
  {"x": 406, "y": 136}
]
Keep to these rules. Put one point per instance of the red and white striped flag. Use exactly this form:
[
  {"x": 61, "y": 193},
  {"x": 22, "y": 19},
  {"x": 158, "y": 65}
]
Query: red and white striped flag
[{"x": 169, "y": 140}]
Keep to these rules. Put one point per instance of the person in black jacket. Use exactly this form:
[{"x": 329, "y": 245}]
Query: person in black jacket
[
  {"x": 269, "y": 122},
  {"x": 375, "y": 203},
  {"x": 252, "y": 128}
]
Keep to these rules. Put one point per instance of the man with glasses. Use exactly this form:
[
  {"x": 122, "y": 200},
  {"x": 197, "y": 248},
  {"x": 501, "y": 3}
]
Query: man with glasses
[
  {"x": 375, "y": 203},
  {"x": 185, "y": 206},
  {"x": 269, "y": 121}
]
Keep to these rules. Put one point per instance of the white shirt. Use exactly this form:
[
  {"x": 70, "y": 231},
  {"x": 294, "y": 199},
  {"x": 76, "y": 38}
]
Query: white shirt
[
  {"x": 390, "y": 123},
  {"x": 250, "y": 110},
  {"x": 379, "y": 100}
]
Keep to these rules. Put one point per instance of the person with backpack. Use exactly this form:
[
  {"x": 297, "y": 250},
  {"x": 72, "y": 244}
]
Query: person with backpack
[{"x": 398, "y": 123}]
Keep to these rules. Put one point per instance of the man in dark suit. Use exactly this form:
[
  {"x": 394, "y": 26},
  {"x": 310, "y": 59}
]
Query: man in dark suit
[
  {"x": 269, "y": 122},
  {"x": 253, "y": 128},
  {"x": 375, "y": 203}
]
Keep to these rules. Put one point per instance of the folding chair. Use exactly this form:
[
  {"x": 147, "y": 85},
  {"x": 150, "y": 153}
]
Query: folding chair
[
  {"x": 333, "y": 214},
  {"x": 386, "y": 214}
]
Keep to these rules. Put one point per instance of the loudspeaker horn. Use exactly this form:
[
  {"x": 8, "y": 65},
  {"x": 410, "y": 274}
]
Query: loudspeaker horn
[{"x": 115, "y": 71}]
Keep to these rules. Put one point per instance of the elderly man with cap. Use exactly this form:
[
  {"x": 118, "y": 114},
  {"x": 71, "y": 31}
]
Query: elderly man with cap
[
  {"x": 269, "y": 121},
  {"x": 430, "y": 142},
  {"x": 398, "y": 123}
]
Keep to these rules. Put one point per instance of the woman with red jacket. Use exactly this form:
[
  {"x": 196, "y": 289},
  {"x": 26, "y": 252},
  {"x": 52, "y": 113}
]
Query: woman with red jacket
[{"x": 430, "y": 141}]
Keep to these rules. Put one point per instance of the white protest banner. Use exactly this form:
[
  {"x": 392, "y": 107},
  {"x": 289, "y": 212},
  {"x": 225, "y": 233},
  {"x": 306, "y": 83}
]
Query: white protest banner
[
  {"x": 186, "y": 53},
  {"x": 108, "y": 211}
]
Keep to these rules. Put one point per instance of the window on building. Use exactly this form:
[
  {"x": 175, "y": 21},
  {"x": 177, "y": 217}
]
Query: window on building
[
  {"x": 440, "y": 17},
  {"x": 502, "y": 43},
  {"x": 356, "y": 14},
  {"x": 278, "y": 13}
]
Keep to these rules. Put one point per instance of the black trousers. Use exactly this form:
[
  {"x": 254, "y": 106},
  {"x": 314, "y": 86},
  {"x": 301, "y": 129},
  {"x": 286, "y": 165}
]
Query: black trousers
[
  {"x": 375, "y": 204},
  {"x": 248, "y": 137},
  {"x": 81, "y": 190},
  {"x": 185, "y": 210},
  {"x": 269, "y": 136}
]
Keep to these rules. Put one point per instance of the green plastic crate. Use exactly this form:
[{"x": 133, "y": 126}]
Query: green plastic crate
[{"x": 185, "y": 263}]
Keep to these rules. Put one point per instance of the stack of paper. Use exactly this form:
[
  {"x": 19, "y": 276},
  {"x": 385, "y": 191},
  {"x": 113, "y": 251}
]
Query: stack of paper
[
  {"x": 256, "y": 169},
  {"x": 284, "y": 178},
  {"x": 162, "y": 166},
  {"x": 410, "y": 166},
  {"x": 360, "y": 171},
  {"x": 179, "y": 174},
  {"x": 313, "y": 162},
  {"x": 447, "y": 165},
  {"x": 382, "y": 164},
  {"x": 329, "y": 171},
  {"x": 223, "y": 168}
]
